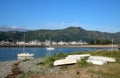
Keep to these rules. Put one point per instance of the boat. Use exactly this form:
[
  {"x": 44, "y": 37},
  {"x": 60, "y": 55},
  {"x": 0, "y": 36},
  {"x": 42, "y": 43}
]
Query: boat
[
  {"x": 49, "y": 47},
  {"x": 25, "y": 54},
  {"x": 24, "y": 58}
]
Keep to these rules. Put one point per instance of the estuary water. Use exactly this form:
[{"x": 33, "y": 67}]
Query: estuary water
[{"x": 10, "y": 53}]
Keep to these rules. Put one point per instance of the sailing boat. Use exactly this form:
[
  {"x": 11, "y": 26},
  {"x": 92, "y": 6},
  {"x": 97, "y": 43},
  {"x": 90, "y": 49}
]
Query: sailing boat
[
  {"x": 25, "y": 54},
  {"x": 50, "y": 47}
]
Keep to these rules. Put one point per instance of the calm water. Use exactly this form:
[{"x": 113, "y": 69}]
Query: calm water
[{"x": 7, "y": 54}]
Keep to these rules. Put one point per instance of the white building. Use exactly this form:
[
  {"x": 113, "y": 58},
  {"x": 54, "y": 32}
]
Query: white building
[
  {"x": 47, "y": 42},
  {"x": 35, "y": 42},
  {"x": 54, "y": 43},
  {"x": 73, "y": 43},
  {"x": 61, "y": 43},
  {"x": 20, "y": 42}
]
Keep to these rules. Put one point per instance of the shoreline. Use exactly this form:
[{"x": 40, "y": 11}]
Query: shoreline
[
  {"x": 93, "y": 46},
  {"x": 31, "y": 69},
  {"x": 84, "y": 46}
]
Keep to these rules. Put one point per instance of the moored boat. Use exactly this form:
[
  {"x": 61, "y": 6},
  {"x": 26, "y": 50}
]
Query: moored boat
[
  {"x": 50, "y": 48},
  {"x": 25, "y": 55},
  {"x": 49, "y": 45}
]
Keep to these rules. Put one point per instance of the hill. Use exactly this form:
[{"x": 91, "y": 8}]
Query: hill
[{"x": 67, "y": 34}]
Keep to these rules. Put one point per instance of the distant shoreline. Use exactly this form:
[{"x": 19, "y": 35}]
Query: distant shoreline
[
  {"x": 95, "y": 46},
  {"x": 86, "y": 46}
]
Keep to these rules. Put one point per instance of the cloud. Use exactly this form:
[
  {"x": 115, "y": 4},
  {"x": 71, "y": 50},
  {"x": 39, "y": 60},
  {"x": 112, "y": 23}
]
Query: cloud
[
  {"x": 14, "y": 27},
  {"x": 11, "y": 28}
]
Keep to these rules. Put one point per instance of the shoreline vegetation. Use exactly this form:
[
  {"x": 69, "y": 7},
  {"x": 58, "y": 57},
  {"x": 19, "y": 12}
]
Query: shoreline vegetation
[
  {"x": 43, "y": 67},
  {"x": 87, "y": 46}
]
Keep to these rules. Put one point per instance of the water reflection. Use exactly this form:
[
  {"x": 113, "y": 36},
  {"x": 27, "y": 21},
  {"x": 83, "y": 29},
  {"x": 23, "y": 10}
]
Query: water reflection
[{"x": 24, "y": 58}]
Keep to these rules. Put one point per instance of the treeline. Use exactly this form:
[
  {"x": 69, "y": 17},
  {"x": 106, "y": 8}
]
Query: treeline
[
  {"x": 11, "y": 36},
  {"x": 102, "y": 42}
]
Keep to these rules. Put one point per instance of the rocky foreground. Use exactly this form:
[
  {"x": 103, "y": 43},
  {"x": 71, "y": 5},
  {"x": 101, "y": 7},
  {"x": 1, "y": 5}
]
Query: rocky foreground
[
  {"x": 39, "y": 68},
  {"x": 29, "y": 69},
  {"x": 6, "y": 68},
  {"x": 16, "y": 69}
]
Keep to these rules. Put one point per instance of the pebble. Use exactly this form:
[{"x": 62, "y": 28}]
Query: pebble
[
  {"x": 25, "y": 66},
  {"x": 6, "y": 67}
]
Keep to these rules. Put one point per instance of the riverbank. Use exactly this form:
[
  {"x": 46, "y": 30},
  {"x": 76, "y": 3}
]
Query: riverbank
[{"x": 43, "y": 67}]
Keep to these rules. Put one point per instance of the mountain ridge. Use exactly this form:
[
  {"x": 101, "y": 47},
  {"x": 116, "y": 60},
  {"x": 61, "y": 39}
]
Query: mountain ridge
[{"x": 68, "y": 34}]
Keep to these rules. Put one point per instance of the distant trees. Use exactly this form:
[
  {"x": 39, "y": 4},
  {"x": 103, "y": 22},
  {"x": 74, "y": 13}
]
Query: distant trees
[
  {"x": 11, "y": 36},
  {"x": 101, "y": 42}
]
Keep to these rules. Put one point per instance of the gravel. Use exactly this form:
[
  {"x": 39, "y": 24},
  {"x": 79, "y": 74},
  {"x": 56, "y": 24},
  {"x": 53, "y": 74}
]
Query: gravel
[
  {"x": 30, "y": 66},
  {"x": 6, "y": 67},
  {"x": 25, "y": 67}
]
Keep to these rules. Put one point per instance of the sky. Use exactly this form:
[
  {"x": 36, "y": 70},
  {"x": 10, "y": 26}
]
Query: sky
[{"x": 98, "y": 15}]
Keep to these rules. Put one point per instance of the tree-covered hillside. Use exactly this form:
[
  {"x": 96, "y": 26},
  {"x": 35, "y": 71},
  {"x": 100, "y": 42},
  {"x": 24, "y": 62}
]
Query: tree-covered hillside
[{"x": 68, "y": 34}]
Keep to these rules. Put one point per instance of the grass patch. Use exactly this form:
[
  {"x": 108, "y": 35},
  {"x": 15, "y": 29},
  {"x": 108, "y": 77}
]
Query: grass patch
[
  {"x": 41, "y": 63},
  {"x": 83, "y": 62},
  {"x": 26, "y": 60},
  {"x": 49, "y": 60},
  {"x": 110, "y": 70}
]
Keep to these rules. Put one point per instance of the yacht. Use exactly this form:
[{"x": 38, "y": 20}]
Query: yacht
[
  {"x": 25, "y": 54},
  {"x": 49, "y": 47}
]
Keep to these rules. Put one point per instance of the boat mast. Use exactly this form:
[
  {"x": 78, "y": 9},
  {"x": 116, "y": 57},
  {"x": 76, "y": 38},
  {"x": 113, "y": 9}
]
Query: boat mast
[
  {"x": 112, "y": 45},
  {"x": 50, "y": 42},
  {"x": 24, "y": 44}
]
